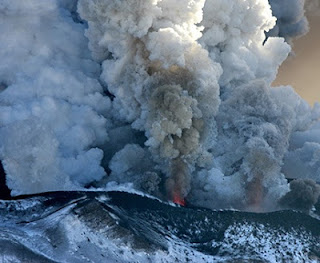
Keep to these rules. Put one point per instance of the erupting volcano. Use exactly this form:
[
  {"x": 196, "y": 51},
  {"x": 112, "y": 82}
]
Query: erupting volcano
[{"x": 110, "y": 110}]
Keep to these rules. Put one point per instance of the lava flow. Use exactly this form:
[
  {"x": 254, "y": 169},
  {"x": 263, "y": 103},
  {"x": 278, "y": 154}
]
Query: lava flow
[{"x": 177, "y": 199}]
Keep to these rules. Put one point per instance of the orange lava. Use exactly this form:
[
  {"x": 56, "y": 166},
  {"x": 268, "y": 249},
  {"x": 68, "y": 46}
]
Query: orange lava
[{"x": 178, "y": 200}]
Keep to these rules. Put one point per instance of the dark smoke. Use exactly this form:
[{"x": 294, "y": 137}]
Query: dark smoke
[
  {"x": 304, "y": 193},
  {"x": 4, "y": 190},
  {"x": 178, "y": 184},
  {"x": 291, "y": 19}
]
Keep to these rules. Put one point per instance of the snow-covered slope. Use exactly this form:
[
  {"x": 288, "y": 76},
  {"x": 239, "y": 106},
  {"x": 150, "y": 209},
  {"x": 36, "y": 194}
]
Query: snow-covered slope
[{"x": 126, "y": 227}]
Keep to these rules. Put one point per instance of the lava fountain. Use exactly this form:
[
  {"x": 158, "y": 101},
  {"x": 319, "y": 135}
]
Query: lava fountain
[{"x": 178, "y": 184}]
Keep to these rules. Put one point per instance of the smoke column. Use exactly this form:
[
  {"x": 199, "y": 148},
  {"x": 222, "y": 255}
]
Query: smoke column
[
  {"x": 163, "y": 80},
  {"x": 170, "y": 97}
]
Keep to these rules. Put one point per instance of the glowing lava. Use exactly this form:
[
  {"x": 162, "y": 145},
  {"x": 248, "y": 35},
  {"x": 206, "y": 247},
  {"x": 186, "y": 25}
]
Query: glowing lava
[{"x": 177, "y": 199}]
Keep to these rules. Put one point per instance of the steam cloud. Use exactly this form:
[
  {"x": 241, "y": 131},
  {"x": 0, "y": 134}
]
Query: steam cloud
[{"x": 158, "y": 94}]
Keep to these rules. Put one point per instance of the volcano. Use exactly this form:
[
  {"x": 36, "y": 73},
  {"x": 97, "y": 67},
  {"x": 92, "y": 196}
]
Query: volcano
[{"x": 130, "y": 227}]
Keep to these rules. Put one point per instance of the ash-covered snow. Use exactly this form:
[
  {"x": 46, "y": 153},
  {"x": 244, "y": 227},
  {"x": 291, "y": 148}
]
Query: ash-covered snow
[{"x": 123, "y": 227}]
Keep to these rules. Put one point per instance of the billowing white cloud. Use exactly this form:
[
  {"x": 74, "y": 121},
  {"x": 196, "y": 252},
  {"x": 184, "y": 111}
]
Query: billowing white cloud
[{"x": 52, "y": 109}]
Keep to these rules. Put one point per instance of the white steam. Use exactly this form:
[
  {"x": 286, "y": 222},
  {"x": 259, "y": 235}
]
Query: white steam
[
  {"x": 172, "y": 96},
  {"x": 52, "y": 111}
]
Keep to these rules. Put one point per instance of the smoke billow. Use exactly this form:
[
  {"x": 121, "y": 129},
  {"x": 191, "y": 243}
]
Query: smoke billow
[
  {"x": 304, "y": 193},
  {"x": 161, "y": 94},
  {"x": 291, "y": 19},
  {"x": 52, "y": 108},
  {"x": 163, "y": 80}
]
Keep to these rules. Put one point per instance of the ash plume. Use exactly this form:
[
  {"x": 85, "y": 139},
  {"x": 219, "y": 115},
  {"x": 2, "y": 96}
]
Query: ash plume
[
  {"x": 154, "y": 94},
  {"x": 178, "y": 184},
  {"x": 304, "y": 193},
  {"x": 163, "y": 81}
]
